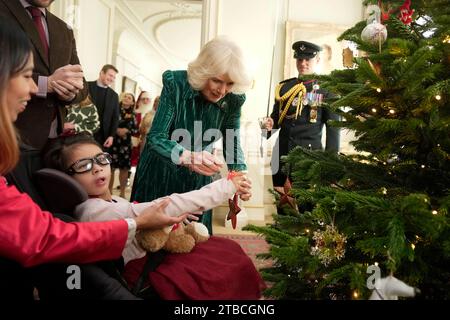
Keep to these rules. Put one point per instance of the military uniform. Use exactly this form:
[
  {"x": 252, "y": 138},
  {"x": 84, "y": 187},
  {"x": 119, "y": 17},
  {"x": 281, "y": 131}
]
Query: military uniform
[{"x": 298, "y": 115}]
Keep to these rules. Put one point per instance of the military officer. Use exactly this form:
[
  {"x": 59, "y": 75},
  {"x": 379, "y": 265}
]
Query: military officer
[{"x": 297, "y": 112}]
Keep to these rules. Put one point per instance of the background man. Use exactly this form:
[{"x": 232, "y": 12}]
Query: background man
[
  {"x": 107, "y": 102},
  {"x": 297, "y": 112},
  {"x": 56, "y": 69}
]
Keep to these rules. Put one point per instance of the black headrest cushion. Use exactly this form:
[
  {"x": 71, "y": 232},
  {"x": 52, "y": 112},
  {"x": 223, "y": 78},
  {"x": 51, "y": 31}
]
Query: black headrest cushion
[{"x": 60, "y": 192}]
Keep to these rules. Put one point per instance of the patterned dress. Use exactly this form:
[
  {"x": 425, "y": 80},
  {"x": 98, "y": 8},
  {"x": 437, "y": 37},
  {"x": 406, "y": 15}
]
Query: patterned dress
[
  {"x": 121, "y": 148},
  {"x": 181, "y": 121}
]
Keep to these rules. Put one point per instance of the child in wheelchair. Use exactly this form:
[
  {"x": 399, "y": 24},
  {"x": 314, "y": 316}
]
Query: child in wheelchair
[{"x": 217, "y": 269}]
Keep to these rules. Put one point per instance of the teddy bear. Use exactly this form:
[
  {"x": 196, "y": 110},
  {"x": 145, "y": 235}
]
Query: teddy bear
[{"x": 175, "y": 239}]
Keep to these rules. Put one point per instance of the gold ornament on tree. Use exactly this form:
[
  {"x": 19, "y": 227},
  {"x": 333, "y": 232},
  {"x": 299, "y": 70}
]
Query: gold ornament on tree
[
  {"x": 329, "y": 245},
  {"x": 376, "y": 67},
  {"x": 347, "y": 58}
]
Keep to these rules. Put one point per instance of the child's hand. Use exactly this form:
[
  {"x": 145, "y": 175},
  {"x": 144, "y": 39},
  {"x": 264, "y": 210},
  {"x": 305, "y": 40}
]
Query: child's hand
[{"x": 243, "y": 185}]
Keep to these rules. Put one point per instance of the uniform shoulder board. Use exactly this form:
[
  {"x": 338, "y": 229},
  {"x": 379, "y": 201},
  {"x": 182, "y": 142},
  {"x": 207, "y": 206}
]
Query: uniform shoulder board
[{"x": 287, "y": 80}]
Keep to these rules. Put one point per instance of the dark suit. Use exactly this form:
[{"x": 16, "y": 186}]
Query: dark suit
[
  {"x": 303, "y": 131},
  {"x": 35, "y": 122},
  {"x": 111, "y": 111}
]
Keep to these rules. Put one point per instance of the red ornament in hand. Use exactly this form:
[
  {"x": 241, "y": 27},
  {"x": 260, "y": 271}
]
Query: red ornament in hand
[{"x": 234, "y": 210}]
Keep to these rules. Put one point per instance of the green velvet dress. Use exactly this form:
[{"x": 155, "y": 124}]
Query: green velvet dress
[{"x": 182, "y": 122}]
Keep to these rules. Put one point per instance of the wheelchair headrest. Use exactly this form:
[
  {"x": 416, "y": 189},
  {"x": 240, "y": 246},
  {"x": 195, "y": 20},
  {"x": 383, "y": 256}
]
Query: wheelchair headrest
[{"x": 60, "y": 192}]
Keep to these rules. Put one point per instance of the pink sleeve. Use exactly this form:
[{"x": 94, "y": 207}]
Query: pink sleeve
[{"x": 31, "y": 236}]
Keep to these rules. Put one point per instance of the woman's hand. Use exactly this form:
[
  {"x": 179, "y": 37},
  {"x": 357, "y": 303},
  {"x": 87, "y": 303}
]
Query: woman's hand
[
  {"x": 69, "y": 127},
  {"x": 203, "y": 162},
  {"x": 154, "y": 217},
  {"x": 267, "y": 124},
  {"x": 122, "y": 132}
]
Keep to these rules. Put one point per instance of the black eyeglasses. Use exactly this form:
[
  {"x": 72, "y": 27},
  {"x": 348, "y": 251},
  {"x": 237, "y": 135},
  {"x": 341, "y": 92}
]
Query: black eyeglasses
[{"x": 86, "y": 164}]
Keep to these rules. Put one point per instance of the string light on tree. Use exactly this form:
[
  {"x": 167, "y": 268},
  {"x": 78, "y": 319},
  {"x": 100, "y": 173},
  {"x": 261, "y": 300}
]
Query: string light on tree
[
  {"x": 434, "y": 212},
  {"x": 374, "y": 110},
  {"x": 378, "y": 90},
  {"x": 438, "y": 97},
  {"x": 392, "y": 111}
]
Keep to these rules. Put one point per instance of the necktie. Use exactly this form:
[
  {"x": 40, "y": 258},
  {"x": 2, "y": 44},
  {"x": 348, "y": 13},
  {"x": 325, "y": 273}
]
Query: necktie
[{"x": 36, "y": 14}]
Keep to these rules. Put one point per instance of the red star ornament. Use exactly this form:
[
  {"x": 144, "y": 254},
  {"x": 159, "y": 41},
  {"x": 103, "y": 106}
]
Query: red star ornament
[
  {"x": 285, "y": 195},
  {"x": 234, "y": 210}
]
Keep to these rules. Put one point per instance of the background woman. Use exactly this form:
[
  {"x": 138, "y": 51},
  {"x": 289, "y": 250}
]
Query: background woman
[{"x": 121, "y": 148}]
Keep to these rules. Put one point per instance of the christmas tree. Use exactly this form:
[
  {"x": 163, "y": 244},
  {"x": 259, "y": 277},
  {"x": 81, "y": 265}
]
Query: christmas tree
[{"x": 388, "y": 205}]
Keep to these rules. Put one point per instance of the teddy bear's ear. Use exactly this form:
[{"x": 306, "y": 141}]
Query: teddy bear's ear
[
  {"x": 198, "y": 231},
  {"x": 152, "y": 240}
]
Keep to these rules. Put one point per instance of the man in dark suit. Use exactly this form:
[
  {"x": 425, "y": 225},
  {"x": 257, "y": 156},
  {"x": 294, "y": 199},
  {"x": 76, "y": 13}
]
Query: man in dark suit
[
  {"x": 297, "y": 112},
  {"x": 57, "y": 71},
  {"x": 107, "y": 102}
]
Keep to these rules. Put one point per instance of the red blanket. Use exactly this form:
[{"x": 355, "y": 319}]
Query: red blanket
[{"x": 217, "y": 269}]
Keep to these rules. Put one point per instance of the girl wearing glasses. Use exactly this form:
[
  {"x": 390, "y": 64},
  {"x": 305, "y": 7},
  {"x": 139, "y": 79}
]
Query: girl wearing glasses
[{"x": 231, "y": 274}]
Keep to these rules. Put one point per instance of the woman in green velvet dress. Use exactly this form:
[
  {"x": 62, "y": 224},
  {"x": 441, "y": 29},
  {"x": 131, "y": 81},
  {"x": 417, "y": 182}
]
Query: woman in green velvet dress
[{"x": 196, "y": 108}]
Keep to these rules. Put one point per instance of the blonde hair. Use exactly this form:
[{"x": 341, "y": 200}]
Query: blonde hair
[
  {"x": 218, "y": 57},
  {"x": 123, "y": 95}
]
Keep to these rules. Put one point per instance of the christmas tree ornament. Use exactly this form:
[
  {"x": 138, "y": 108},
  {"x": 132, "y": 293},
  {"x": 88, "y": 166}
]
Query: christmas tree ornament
[
  {"x": 406, "y": 13},
  {"x": 390, "y": 288},
  {"x": 347, "y": 58},
  {"x": 286, "y": 196},
  {"x": 234, "y": 210},
  {"x": 385, "y": 10},
  {"x": 376, "y": 67},
  {"x": 329, "y": 245},
  {"x": 233, "y": 203},
  {"x": 374, "y": 33}
]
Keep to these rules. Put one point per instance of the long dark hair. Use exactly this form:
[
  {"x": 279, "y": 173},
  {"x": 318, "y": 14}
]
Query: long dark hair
[{"x": 15, "y": 52}]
